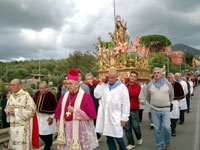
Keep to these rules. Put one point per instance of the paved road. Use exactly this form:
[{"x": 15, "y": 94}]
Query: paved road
[{"x": 187, "y": 134}]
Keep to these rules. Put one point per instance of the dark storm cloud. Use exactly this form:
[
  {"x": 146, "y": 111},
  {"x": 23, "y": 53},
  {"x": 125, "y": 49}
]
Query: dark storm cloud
[
  {"x": 182, "y": 5},
  {"x": 34, "y": 14},
  {"x": 174, "y": 19},
  {"x": 85, "y": 38},
  {"x": 12, "y": 45},
  {"x": 31, "y": 15}
]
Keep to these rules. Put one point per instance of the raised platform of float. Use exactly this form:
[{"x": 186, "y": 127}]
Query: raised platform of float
[{"x": 143, "y": 75}]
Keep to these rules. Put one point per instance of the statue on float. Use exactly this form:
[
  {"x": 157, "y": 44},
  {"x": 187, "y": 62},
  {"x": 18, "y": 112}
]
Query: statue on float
[{"x": 121, "y": 53}]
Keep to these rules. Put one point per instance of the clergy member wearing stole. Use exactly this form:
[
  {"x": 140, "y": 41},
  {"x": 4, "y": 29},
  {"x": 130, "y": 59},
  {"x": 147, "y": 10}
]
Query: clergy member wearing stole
[
  {"x": 20, "y": 110},
  {"x": 75, "y": 111},
  {"x": 46, "y": 105}
]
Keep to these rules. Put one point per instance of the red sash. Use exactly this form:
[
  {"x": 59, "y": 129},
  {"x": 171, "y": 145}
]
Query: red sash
[{"x": 35, "y": 133}]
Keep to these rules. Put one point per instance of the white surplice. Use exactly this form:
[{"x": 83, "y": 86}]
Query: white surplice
[
  {"x": 44, "y": 127},
  {"x": 182, "y": 102}
]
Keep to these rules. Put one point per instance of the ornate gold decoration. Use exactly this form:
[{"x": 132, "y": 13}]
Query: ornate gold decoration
[{"x": 121, "y": 54}]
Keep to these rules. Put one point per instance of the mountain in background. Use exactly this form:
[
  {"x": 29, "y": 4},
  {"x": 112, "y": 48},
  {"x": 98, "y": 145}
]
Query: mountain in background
[{"x": 185, "y": 49}]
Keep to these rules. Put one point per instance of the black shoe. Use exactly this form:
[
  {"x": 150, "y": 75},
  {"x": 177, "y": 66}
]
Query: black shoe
[
  {"x": 99, "y": 139},
  {"x": 180, "y": 123},
  {"x": 151, "y": 127}
]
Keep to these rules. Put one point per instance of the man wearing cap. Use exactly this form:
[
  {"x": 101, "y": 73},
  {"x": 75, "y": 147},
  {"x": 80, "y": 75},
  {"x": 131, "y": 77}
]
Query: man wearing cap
[
  {"x": 75, "y": 112},
  {"x": 81, "y": 84}
]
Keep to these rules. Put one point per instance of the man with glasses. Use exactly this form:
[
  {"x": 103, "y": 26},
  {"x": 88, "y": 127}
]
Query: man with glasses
[{"x": 160, "y": 94}]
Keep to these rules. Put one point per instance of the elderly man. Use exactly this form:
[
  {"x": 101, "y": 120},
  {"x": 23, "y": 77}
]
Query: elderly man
[
  {"x": 81, "y": 84},
  {"x": 178, "y": 95},
  {"x": 46, "y": 105},
  {"x": 75, "y": 112},
  {"x": 160, "y": 94},
  {"x": 182, "y": 102},
  {"x": 20, "y": 109},
  {"x": 114, "y": 109}
]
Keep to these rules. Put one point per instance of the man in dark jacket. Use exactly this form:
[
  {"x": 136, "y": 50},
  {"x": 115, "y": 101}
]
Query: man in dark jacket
[{"x": 45, "y": 105}]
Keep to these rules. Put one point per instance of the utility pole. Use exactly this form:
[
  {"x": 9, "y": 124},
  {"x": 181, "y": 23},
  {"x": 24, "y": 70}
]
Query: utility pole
[
  {"x": 185, "y": 60},
  {"x": 39, "y": 70},
  {"x": 167, "y": 58},
  {"x": 6, "y": 72},
  {"x": 180, "y": 67},
  {"x": 114, "y": 12}
]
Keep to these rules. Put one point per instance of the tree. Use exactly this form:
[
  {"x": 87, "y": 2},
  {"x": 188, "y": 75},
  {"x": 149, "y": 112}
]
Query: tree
[
  {"x": 158, "y": 60},
  {"x": 155, "y": 41},
  {"x": 2, "y": 88},
  {"x": 85, "y": 62},
  {"x": 189, "y": 57}
]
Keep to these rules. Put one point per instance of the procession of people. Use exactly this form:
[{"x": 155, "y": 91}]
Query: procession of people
[{"x": 91, "y": 109}]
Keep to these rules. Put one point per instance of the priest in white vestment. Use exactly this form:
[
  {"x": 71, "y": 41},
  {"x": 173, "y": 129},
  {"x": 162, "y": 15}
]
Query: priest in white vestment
[{"x": 20, "y": 109}]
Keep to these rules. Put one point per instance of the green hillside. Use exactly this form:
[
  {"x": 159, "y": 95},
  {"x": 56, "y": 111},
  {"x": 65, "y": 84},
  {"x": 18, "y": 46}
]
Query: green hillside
[{"x": 185, "y": 49}]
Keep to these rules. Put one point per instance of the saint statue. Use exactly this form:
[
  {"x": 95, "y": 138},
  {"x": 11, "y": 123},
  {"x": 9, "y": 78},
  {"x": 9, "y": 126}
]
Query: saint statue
[{"x": 121, "y": 33}]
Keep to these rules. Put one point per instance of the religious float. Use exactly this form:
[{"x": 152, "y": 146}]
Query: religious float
[{"x": 122, "y": 54}]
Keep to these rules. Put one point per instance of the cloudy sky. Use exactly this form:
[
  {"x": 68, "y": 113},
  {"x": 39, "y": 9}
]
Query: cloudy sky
[{"x": 45, "y": 29}]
